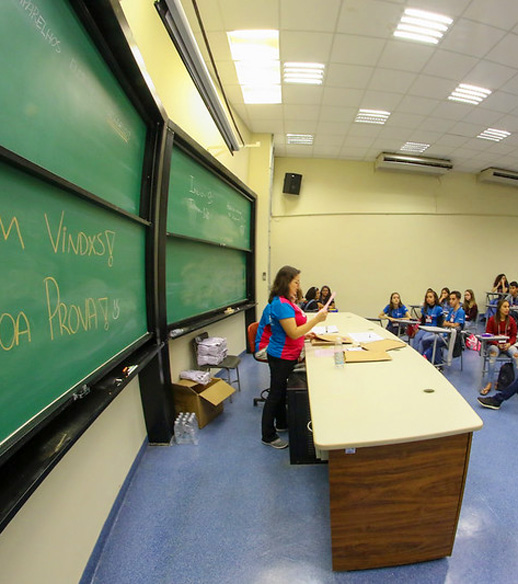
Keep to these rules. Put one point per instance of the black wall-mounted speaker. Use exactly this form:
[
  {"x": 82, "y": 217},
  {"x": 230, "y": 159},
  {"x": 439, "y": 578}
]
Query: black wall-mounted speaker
[{"x": 292, "y": 183}]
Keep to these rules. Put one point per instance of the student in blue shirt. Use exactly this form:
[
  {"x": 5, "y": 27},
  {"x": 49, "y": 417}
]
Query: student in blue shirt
[
  {"x": 454, "y": 320},
  {"x": 431, "y": 315},
  {"x": 394, "y": 309}
]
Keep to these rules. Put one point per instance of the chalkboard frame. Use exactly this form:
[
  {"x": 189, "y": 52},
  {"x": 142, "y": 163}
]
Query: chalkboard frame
[
  {"x": 188, "y": 146},
  {"x": 29, "y": 459}
]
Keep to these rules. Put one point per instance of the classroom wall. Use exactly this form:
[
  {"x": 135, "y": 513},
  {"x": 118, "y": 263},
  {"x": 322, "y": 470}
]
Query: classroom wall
[
  {"x": 367, "y": 233},
  {"x": 50, "y": 540}
]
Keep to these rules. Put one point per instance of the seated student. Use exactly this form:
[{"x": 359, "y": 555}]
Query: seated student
[
  {"x": 312, "y": 298},
  {"x": 444, "y": 299},
  {"x": 394, "y": 309},
  {"x": 493, "y": 402},
  {"x": 500, "y": 285},
  {"x": 431, "y": 315},
  {"x": 512, "y": 298},
  {"x": 500, "y": 324},
  {"x": 325, "y": 295},
  {"x": 454, "y": 320},
  {"x": 470, "y": 306}
]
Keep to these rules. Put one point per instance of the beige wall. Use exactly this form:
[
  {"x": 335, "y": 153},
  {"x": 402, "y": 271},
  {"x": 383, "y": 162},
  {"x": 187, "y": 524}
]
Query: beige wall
[
  {"x": 366, "y": 233},
  {"x": 51, "y": 538}
]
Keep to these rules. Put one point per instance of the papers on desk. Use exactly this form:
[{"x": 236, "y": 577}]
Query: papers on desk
[
  {"x": 322, "y": 330},
  {"x": 366, "y": 337}
]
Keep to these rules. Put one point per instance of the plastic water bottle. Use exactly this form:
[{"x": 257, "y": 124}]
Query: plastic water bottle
[
  {"x": 339, "y": 354},
  {"x": 192, "y": 429}
]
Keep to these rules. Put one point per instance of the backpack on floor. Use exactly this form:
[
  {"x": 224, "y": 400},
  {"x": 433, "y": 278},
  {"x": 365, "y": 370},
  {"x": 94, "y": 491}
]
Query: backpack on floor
[{"x": 505, "y": 376}]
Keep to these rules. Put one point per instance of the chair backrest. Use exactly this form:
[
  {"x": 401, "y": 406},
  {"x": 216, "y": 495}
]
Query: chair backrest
[{"x": 251, "y": 333}]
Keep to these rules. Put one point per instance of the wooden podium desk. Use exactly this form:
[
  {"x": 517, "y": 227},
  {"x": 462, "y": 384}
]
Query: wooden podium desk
[{"x": 398, "y": 437}]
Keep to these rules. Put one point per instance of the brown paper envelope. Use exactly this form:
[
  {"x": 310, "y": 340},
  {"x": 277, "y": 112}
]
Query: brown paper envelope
[
  {"x": 366, "y": 356},
  {"x": 384, "y": 345}
]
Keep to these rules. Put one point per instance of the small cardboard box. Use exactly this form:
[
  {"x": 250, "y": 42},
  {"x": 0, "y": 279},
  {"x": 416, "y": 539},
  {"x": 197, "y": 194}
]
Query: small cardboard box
[{"x": 206, "y": 401}]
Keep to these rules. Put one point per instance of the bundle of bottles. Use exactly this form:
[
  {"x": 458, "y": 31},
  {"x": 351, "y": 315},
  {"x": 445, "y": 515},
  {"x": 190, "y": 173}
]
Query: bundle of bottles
[{"x": 186, "y": 428}]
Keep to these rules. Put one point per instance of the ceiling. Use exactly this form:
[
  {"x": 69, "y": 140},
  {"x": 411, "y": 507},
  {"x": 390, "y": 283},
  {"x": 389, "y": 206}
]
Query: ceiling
[{"x": 366, "y": 67}]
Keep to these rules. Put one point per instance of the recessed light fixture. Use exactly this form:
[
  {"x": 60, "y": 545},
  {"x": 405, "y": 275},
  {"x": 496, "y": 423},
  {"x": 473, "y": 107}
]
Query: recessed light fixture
[
  {"x": 256, "y": 57},
  {"x": 494, "y": 135},
  {"x": 307, "y": 73},
  {"x": 366, "y": 116},
  {"x": 414, "y": 147},
  {"x": 425, "y": 27},
  {"x": 469, "y": 94},
  {"x": 304, "y": 139}
]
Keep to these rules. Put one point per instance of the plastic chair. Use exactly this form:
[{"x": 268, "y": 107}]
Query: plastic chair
[
  {"x": 251, "y": 333},
  {"x": 229, "y": 363}
]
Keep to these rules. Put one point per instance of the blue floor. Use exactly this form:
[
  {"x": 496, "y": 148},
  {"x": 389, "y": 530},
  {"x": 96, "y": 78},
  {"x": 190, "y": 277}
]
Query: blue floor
[{"x": 231, "y": 510}]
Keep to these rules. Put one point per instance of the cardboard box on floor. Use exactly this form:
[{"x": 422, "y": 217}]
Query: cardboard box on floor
[{"x": 206, "y": 401}]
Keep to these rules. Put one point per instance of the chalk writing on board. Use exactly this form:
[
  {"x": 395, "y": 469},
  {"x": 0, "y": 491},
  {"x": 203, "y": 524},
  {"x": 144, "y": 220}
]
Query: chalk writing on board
[
  {"x": 99, "y": 244},
  {"x": 69, "y": 319},
  {"x": 13, "y": 329},
  {"x": 237, "y": 216},
  {"x": 118, "y": 125},
  {"x": 7, "y": 232},
  {"x": 41, "y": 24}
]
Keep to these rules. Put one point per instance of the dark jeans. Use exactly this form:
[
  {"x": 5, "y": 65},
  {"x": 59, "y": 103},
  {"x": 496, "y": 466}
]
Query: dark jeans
[
  {"x": 503, "y": 394},
  {"x": 274, "y": 411}
]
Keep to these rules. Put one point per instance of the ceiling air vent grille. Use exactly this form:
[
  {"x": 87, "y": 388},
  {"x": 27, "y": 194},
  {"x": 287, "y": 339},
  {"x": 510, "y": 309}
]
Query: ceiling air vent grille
[
  {"x": 407, "y": 163},
  {"x": 499, "y": 175}
]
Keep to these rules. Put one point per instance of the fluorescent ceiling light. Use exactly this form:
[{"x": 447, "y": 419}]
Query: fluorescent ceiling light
[
  {"x": 253, "y": 45},
  {"x": 307, "y": 73},
  {"x": 366, "y": 116},
  {"x": 261, "y": 94},
  {"x": 414, "y": 147},
  {"x": 426, "y": 27},
  {"x": 304, "y": 139},
  {"x": 258, "y": 72},
  {"x": 493, "y": 134},
  {"x": 469, "y": 94}
]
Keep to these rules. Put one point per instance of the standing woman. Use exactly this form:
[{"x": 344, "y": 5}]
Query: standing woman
[
  {"x": 431, "y": 315},
  {"x": 288, "y": 326},
  {"x": 394, "y": 309},
  {"x": 500, "y": 324}
]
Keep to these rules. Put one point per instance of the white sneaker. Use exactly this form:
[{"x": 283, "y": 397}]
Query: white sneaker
[{"x": 278, "y": 443}]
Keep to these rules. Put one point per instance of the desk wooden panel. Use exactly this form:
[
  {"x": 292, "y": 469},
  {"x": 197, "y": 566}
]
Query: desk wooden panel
[{"x": 396, "y": 504}]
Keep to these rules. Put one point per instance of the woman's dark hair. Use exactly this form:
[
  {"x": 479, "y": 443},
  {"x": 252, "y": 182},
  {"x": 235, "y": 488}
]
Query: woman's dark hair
[
  {"x": 391, "y": 304},
  {"x": 435, "y": 297},
  {"x": 311, "y": 293},
  {"x": 324, "y": 299},
  {"x": 498, "y": 316},
  {"x": 281, "y": 284},
  {"x": 445, "y": 289},
  {"x": 467, "y": 305},
  {"x": 498, "y": 278}
]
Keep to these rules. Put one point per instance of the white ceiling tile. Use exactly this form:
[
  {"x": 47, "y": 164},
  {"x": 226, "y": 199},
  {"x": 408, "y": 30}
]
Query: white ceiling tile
[
  {"x": 405, "y": 56},
  {"x": 357, "y": 50},
  {"x": 501, "y": 102},
  {"x": 502, "y": 14},
  {"x": 490, "y": 75},
  {"x": 471, "y": 38},
  {"x": 300, "y": 126},
  {"x": 432, "y": 87},
  {"x": 511, "y": 86},
  {"x": 267, "y": 126},
  {"x": 438, "y": 124},
  {"x": 449, "y": 65},
  {"x": 418, "y": 105},
  {"x": 362, "y": 132},
  {"x": 466, "y": 130},
  {"x": 295, "y": 94},
  {"x": 403, "y": 120},
  {"x": 451, "y": 110},
  {"x": 451, "y": 8},
  {"x": 333, "y": 127},
  {"x": 238, "y": 14},
  {"x": 391, "y": 80},
  {"x": 266, "y": 111},
  {"x": 352, "y": 76},
  {"x": 299, "y": 151},
  {"x": 313, "y": 47},
  {"x": 330, "y": 113},
  {"x": 335, "y": 96},
  {"x": 371, "y": 17},
  {"x": 353, "y": 153},
  {"x": 483, "y": 117},
  {"x": 505, "y": 51},
  {"x": 329, "y": 139},
  {"x": 451, "y": 141},
  {"x": 381, "y": 100},
  {"x": 309, "y": 15},
  {"x": 326, "y": 151},
  {"x": 302, "y": 112}
]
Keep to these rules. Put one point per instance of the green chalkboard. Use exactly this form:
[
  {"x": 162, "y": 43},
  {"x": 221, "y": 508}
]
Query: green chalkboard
[
  {"x": 61, "y": 106},
  {"x": 203, "y": 206},
  {"x": 72, "y": 296},
  {"x": 202, "y": 278}
]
